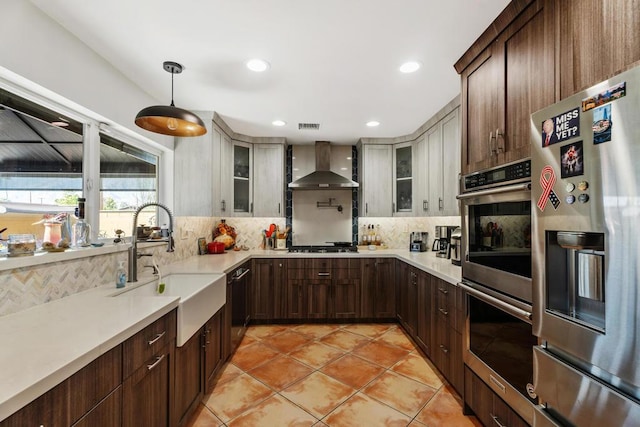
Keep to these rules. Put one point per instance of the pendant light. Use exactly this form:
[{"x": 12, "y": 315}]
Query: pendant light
[{"x": 170, "y": 120}]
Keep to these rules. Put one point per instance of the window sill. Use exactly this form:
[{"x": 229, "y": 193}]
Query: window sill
[{"x": 40, "y": 258}]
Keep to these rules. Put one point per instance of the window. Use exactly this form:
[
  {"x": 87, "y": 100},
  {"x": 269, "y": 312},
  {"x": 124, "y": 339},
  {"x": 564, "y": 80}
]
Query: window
[
  {"x": 128, "y": 179},
  {"x": 41, "y": 156}
]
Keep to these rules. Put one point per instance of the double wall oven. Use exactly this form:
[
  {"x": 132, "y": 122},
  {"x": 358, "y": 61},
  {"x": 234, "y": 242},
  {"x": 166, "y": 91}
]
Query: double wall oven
[{"x": 496, "y": 271}]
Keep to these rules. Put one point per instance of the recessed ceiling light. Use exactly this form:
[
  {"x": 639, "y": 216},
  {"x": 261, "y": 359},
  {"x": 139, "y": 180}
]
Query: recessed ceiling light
[
  {"x": 410, "y": 67},
  {"x": 60, "y": 124},
  {"x": 373, "y": 123},
  {"x": 278, "y": 123},
  {"x": 257, "y": 65}
]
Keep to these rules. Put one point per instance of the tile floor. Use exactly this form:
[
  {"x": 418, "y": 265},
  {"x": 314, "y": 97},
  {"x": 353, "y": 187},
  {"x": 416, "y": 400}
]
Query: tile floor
[{"x": 329, "y": 375}]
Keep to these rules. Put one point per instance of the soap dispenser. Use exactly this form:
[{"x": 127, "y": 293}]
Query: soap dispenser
[{"x": 121, "y": 275}]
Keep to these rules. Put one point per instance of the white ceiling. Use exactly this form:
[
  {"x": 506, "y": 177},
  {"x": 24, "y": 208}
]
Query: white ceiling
[{"x": 333, "y": 62}]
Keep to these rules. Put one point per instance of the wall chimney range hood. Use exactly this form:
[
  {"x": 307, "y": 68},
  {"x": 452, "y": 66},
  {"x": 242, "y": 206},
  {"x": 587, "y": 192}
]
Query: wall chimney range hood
[{"x": 323, "y": 178}]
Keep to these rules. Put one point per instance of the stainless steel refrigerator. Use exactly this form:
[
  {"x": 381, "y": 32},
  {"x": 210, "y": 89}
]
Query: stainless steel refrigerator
[{"x": 586, "y": 257}]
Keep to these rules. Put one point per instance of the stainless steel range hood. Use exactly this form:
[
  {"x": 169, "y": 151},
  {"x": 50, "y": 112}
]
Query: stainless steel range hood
[{"x": 323, "y": 178}]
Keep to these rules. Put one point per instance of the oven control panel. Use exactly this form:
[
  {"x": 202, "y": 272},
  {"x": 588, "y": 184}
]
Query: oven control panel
[{"x": 507, "y": 174}]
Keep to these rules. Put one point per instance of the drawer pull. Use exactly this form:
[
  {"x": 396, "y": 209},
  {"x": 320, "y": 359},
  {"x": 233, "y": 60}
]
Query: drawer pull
[
  {"x": 497, "y": 420},
  {"x": 156, "y": 363},
  {"x": 444, "y": 291},
  {"x": 443, "y": 311},
  {"x": 444, "y": 349},
  {"x": 153, "y": 341},
  {"x": 324, "y": 274}
]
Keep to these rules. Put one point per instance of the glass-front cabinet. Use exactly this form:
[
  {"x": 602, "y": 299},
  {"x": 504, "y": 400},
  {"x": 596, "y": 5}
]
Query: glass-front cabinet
[
  {"x": 242, "y": 165},
  {"x": 403, "y": 179}
]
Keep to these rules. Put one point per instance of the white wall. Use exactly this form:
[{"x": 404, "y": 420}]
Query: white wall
[{"x": 37, "y": 48}]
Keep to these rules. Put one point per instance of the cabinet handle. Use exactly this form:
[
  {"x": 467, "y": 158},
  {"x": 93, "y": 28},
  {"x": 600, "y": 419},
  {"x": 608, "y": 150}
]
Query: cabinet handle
[
  {"x": 278, "y": 208},
  {"x": 153, "y": 341},
  {"x": 499, "y": 147},
  {"x": 491, "y": 139},
  {"x": 444, "y": 349},
  {"x": 251, "y": 207},
  {"x": 444, "y": 291},
  {"x": 497, "y": 420},
  {"x": 366, "y": 208},
  {"x": 324, "y": 274},
  {"x": 223, "y": 206},
  {"x": 393, "y": 207},
  {"x": 154, "y": 364},
  {"x": 425, "y": 205},
  {"x": 440, "y": 205},
  {"x": 443, "y": 311}
]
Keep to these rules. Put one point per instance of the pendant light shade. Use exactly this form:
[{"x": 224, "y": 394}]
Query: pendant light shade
[{"x": 169, "y": 119}]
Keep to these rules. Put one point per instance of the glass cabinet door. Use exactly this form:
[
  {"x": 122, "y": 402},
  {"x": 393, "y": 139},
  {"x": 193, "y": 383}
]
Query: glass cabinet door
[
  {"x": 403, "y": 179},
  {"x": 241, "y": 179}
]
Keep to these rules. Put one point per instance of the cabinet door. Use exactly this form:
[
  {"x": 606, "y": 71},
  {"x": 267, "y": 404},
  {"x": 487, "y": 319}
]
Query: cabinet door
[
  {"x": 226, "y": 175},
  {"x": 385, "y": 290},
  {"x": 527, "y": 48},
  {"x": 481, "y": 110},
  {"x": 295, "y": 299},
  {"x": 377, "y": 177},
  {"x": 403, "y": 185},
  {"x": 213, "y": 346},
  {"x": 479, "y": 397},
  {"x": 434, "y": 169},
  {"x": 188, "y": 376},
  {"x": 368, "y": 288},
  {"x": 424, "y": 333},
  {"x": 108, "y": 413},
  {"x": 318, "y": 296},
  {"x": 50, "y": 409},
  {"x": 450, "y": 167},
  {"x": 402, "y": 289},
  {"x": 597, "y": 39},
  {"x": 147, "y": 392},
  {"x": 242, "y": 179},
  {"x": 263, "y": 287},
  {"x": 422, "y": 176},
  {"x": 226, "y": 324},
  {"x": 268, "y": 188},
  {"x": 345, "y": 298}
]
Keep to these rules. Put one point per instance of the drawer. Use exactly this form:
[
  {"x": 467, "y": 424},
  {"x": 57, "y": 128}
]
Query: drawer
[
  {"x": 298, "y": 263},
  {"x": 94, "y": 382},
  {"x": 350, "y": 263},
  {"x": 142, "y": 347}
]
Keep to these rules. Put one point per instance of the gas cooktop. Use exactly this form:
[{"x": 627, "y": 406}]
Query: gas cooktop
[{"x": 322, "y": 249}]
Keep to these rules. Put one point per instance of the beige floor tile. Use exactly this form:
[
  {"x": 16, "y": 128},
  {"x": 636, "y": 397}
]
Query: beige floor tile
[
  {"x": 280, "y": 372},
  {"x": 344, "y": 340},
  {"x": 228, "y": 372},
  {"x": 274, "y": 411},
  {"x": 401, "y": 393},
  {"x": 203, "y": 417},
  {"x": 381, "y": 353},
  {"x": 316, "y": 331},
  {"x": 396, "y": 337},
  {"x": 234, "y": 397},
  {"x": 252, "y": 356},
  {"x": 287, "y": 341},
  {"x": 369, "y": 330},
  {"x": 316, "y": 354},
  {"x": 353, "y": 371},
  {"x": 361, "y": 410},
  {"x": 318, "y": 394},
  {"x": 444, "y": 410},
  {"x": 264, "y": 331},
  {"x": 416, "y": 367},
  {"x": 247, "y": 340}
]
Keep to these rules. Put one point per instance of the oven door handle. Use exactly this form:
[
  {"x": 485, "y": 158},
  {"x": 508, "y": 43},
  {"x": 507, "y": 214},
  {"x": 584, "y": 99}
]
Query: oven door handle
[
  {"x": 499, "y": 190},
  {"x": 514, "y": 311}
]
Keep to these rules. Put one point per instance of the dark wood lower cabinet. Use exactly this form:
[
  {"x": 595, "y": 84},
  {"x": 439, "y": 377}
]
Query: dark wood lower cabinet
[
  {"x": 147, "y": 393},
  {"x": 488, "y": 407},
  {"x": 213, "y": 351},
  {"x": 188, "y": 376},
  {"x": 345, "y": 298},
  {"x": 107, "y": 413},
  {"x": 378, "y": 288},
  {"x": 50, "y": 409},
  {"x": 318, "y": 299}
]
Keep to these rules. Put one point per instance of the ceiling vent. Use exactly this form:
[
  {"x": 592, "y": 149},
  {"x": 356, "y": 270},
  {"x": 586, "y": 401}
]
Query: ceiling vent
[{"x": 308, "y": 126}]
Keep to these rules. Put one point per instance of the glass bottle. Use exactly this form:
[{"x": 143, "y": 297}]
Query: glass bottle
[
  {"x": 81, "y": 229},
  {"x": 121, "y": 275}
]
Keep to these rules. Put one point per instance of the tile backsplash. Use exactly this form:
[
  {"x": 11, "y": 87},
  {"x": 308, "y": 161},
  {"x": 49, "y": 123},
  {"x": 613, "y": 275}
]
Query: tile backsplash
[{"x": 22, "y": 288}]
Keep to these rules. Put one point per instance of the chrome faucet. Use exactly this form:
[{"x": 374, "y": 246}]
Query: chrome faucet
[{"x": 133, "y": 250}]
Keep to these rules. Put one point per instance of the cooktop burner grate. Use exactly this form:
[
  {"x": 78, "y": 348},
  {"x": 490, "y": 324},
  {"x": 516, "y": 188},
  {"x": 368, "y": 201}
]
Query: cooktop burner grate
[{"x": 322, "y": 249}]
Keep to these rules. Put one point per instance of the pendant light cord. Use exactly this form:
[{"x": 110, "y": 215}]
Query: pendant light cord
[{"x": 172, "y": 104}]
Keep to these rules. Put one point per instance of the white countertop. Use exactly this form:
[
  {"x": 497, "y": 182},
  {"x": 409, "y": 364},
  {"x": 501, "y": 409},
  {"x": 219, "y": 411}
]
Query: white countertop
[{"x": 46, "y": 344}]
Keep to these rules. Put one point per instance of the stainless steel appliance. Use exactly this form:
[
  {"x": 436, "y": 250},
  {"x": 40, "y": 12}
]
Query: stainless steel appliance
[
  {"x": 496, "y": 276},
  {"x": 240, "y": 281},
  {"x": 586, "y": 257},
  {"x": 442, "y": 242},
  {"x": 418, "y": 241},
  {"x": 496, "y": 229},
  {"x": 323, "y": 249},
  {"x": 456, "y": 246}
]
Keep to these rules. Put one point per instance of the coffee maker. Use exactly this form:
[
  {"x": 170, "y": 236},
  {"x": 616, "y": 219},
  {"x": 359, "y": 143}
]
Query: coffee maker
[
  {"x": 418, "y": 241},
  {"x": 442, "y": 242}
]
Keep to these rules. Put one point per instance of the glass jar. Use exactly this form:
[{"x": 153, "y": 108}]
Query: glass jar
[{"x": 21, "y": 245}]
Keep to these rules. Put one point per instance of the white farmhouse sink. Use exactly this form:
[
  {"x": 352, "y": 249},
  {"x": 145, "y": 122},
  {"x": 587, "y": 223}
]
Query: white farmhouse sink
[{"x": 201, "y": 296}]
